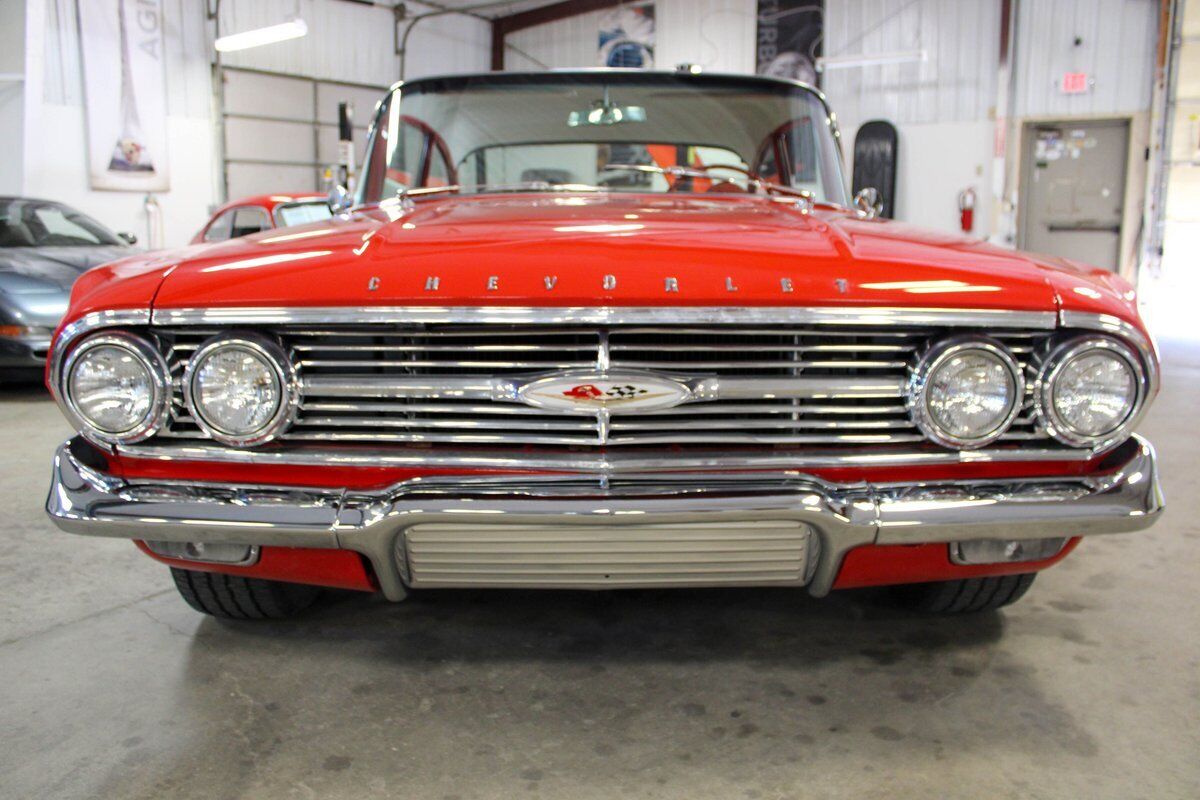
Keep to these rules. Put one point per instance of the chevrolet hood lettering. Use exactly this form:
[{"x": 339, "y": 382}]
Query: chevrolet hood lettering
[{"x": 614, "y": 393}]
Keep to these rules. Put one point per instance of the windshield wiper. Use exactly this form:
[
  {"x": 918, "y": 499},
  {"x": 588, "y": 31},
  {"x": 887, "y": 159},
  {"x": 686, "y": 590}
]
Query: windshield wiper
[
  {"x": 538, "y": 186},
  {"x": 406, "y": 196}
]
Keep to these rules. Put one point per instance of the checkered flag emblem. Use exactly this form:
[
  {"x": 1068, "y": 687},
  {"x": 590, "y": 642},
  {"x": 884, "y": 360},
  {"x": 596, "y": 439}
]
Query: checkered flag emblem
[{"x": 625, "y": 391}]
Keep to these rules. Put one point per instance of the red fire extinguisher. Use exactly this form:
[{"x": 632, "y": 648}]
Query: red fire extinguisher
[{"x": 966, "y": 209}]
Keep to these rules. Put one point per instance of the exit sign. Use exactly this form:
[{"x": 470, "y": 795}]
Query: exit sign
[{"x": 1075, "y": 83}]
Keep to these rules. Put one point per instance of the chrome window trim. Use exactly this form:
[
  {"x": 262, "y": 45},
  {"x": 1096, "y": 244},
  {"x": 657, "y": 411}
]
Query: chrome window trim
[
  {"x": 1059, "y": 357},
  {"x": 831, "y": 118},
  {"x": 285, "y": 373},
  {"x": 160, "y": 383},
  {"x": 916, "y": 394},
  {"x": 608, "y": 315}
]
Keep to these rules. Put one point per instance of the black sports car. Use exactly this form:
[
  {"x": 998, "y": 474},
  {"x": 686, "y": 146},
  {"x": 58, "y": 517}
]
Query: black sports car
[{"x": 44, "y": 247}]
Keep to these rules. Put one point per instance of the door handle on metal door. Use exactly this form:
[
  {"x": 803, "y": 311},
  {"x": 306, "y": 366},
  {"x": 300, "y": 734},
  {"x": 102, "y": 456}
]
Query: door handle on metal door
[{"x": 1082, "y": 227}]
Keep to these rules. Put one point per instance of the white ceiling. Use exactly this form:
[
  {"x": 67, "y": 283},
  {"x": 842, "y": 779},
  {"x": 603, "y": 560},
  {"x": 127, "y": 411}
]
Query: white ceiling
[{"x": 503, "y": 8}]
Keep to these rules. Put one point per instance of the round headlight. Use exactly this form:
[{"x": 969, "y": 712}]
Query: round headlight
[
  {"x": 116, "y": 387},
  {"x": 241, "y": 390},
  {"x": 966, "y": 392},
  {"x": 1089, "y": 390}
]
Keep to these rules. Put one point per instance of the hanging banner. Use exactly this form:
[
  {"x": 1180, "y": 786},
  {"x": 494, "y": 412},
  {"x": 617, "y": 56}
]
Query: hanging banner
[
  {"x": 124, "y": 83},
  {"x": 789, "y": 39},
  {"x": 627, "y": 36}
]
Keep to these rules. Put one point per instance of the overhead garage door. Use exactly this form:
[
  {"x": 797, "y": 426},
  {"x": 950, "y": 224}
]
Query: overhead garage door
[{"x": 281, "y": 130}]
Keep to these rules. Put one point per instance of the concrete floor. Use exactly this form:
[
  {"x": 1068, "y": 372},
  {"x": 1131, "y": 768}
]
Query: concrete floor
[{"x": 111, "y": 688}]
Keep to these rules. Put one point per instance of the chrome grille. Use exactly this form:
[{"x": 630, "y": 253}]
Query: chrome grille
[
  {"x": 791, "y": 386},
  {"x": 729, "y": 553}
]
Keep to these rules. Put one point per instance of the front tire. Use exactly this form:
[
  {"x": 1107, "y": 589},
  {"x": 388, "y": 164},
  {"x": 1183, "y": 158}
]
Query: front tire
[
  {"x": 966, "y": 596},
  {"x": 234, "y": 597}
]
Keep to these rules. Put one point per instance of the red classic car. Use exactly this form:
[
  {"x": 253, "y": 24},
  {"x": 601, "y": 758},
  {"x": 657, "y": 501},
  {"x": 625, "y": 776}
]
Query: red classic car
[
  {"x": 602, "y": 329},
  {"x": 263, "y": 212}
]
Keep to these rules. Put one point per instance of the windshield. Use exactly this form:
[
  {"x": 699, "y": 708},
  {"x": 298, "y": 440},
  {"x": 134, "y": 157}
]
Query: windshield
[
  {"x": 35, "y": 223},
  {"x": 616, "y": 131},
  {"x": 301, "y": 213}
]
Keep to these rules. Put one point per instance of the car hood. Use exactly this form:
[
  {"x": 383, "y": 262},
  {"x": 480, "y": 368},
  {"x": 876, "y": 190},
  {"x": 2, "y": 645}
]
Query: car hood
[
  {"x": 39, "y": 269},
  {"x": 617, "y": 250},
  {"x": 35, "y": 282}
]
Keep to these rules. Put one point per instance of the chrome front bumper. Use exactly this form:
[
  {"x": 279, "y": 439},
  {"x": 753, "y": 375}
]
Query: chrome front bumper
[{"x": 838, "y": 517}]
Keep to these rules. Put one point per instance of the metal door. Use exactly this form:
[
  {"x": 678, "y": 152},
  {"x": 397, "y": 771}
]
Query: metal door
[
  {"x": 281, "y": 130},
  {"x": 1073, "y": 189}
]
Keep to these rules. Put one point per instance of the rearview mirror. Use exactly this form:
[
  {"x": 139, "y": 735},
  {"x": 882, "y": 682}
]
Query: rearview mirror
[
  {"x": 867, "y": 203},
  {"x": 339, "y": 199},
  {"x": 127, "y": 237},
  {"x": 604, "y": 114}
]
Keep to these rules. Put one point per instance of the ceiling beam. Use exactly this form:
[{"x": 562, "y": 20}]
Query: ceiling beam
[{"x": 503, "y": 26}]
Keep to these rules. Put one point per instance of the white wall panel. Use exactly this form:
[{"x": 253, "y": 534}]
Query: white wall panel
[
  {"x": 12, "y": 96},
  {"x": 1117, "y": 47},
  {"x": 571, "y": 42},
  {"x": 937, "y": 161},
  {"x": 719, "y": 35},
  {"x": 445, "y": 45},
  {"x": 957, "y": 82}
]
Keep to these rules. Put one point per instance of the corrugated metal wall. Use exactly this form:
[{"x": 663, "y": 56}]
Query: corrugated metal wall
[
  {"x": 367, "y": 57},
  {"x": 558, "y": 45},
  {"x": 355, "y": 43},
  {"x": 717, "y": 34},
  {"x": 1116, "y": 48},
  {"x": 956, "y": 84}
]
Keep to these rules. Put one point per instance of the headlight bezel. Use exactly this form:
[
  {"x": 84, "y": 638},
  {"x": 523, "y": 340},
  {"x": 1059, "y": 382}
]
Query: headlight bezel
[
  {"x": 283, "y": 369},
  {"x": 150, "y": 358},
  {"x": 916, "y": 394},
  {"x": 1062, "y": 354}
]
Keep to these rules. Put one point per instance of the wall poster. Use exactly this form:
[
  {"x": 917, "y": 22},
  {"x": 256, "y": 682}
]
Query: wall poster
[
  {"x": 124, "y": 81},
  {"x": 627, "y": 36},
  {"x": 789, "y": 39}
]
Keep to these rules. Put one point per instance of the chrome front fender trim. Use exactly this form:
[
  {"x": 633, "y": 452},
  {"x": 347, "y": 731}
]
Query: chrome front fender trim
[
  {"x": 80, "y": 327},
  {"x": 842, "y": 516},
  {"x": 607, "y": 315},
  {"x": 1115, "y": 326}
]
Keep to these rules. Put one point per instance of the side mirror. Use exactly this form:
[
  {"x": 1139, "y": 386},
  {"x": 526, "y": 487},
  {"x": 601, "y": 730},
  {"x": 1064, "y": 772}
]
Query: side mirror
[
  {"x": 867, "y": 203},
  {"x": 127, "y": 237},
  {"x": 339, "y": 199}
]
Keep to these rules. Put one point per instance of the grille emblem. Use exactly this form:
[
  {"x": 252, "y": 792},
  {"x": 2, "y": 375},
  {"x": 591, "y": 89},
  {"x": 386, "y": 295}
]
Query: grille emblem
[{"x": 592, "y": 392}]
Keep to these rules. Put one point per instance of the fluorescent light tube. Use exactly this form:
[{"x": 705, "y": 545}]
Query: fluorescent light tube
[
  {"x": 292, "y": 29},
  {"x": 870, "y": 60}
]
